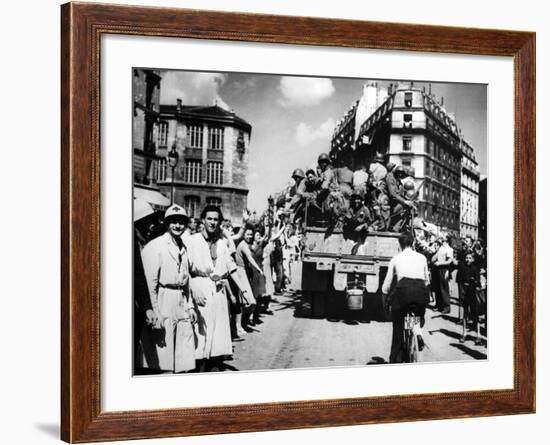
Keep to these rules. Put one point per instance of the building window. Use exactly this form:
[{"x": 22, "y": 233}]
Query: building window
[
  {"x": 194, "y": 136},
  {"x": 407, "y": 120},
  {"x": 214, "y": 201},
  {"x": 407, "y": 143},
  {"x": 240, "y": 144},
  {"x": 192, "y": 204},
  {"x": 163, "y": 134},
  {"x": 408, "y": 100},
  {"x": 214, "y": 173},
  {"x": 215, "y": 138},
  {"x": 161, "y": 170},
  {"x": 192, "y": 172},
  {"x": 406, "y": 162}
]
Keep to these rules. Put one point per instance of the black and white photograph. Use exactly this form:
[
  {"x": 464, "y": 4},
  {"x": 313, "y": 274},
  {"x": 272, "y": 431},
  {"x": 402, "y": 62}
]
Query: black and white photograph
[{"x": 286, "y": 222}]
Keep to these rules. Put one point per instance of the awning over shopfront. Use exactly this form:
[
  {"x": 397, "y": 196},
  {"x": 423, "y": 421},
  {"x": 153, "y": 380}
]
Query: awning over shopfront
[
  {"x": 142, "y": 209},
  {"x": 157, "y": 200}
]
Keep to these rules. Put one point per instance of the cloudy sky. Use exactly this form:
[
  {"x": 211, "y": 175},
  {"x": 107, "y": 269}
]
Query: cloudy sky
[{"x": 293, "y": 118}]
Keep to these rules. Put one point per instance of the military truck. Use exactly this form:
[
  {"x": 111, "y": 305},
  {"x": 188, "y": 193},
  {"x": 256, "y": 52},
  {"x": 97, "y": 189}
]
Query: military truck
[{"x": 340, "y": 277}]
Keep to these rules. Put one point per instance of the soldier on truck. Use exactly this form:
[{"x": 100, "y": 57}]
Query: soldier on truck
[
  {"x": 357, "y": 222},
  {"x": 400, "y": 206}
]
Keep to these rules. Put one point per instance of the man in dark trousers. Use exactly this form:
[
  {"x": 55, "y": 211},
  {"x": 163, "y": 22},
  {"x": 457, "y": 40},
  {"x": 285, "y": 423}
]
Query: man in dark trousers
[
  {"x": 144, "y": 317},
  {"x": 409, "y": 269},
  {"x": 468, "y": 280},
  {"x": 441, "y": 262}
]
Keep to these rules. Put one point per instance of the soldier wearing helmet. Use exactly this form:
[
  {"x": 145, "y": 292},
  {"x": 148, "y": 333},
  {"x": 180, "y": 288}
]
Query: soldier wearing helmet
[
  {"x": 298, "y": 174},
  {"x": 377, "y": 170},
  {"x": 400, "y": 206},
  {"x": 303, "y": 187},
  {"x": 357, "y": 221},
  {"x": 325, "y": 173}
]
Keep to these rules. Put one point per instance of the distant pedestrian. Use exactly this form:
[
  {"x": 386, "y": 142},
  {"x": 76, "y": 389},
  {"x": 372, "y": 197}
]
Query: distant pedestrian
[
  {"x": 247, "y": 267},
  {"x": 441, "y": 261},
  {"x": 469, "y": 282}
]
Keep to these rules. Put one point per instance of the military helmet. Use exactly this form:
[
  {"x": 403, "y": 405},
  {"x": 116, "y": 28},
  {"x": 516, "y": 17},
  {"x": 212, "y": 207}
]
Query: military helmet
[
  {"x": 379, "y": 157},
  {"x": 399, "y": 170},
  {"x": 298, "y": 173},
  {"x": 323, "y": 157}
]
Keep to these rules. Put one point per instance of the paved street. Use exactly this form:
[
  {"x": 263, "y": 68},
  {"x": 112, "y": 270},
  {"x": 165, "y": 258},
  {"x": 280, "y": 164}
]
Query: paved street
[{"x": 290, "y": 338}]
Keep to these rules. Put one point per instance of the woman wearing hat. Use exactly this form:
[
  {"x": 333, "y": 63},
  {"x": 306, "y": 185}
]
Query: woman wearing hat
[{"x": 166, "y": 269}]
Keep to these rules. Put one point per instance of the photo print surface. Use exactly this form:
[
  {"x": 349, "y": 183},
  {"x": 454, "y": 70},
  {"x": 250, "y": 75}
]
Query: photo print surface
[{"x": 295, "y": 222}]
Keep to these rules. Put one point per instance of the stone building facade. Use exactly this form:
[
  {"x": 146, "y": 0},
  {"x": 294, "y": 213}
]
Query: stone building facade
[
  {"x": 213, "y": 147},
  {"x": 145, "y": 159},
  {"x": 469, "y": 192},
  {"x": 411, "y": 128},
  {"x": 146, "y": 92},
  {"x": 482, "y": 227}
]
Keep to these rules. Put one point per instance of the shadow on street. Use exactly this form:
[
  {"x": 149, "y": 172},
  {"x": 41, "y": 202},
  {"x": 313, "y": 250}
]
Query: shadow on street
[
  {"x": 335, "y": 309},
  {"x": 377, "y": 361},
  {"x": 469, "y": 351}
]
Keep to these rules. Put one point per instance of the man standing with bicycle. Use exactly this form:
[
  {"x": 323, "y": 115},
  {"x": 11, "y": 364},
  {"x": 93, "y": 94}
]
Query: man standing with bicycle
[{"x": 405, "y": 290}]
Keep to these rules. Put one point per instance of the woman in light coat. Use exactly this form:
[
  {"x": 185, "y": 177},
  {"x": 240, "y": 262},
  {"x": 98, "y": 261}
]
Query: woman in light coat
[{"x": 166, "y": 269}]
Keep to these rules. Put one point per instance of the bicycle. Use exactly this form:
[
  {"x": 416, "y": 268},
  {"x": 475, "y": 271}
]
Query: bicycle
[{"x": 411, "y": 326}]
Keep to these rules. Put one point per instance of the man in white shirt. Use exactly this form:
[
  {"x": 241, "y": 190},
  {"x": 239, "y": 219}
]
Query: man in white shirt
[
  {"x": 410, "y": 293},
  {"x": 441, "y": 261}
]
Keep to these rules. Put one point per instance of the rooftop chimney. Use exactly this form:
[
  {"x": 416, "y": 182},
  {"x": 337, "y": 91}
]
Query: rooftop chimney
[{"x": 178, "y": 104}]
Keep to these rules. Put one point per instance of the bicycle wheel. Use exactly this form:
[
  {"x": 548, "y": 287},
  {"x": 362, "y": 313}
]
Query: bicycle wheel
[
  {"x": 413, "y": 350},
  {"x": 407, "y": 343}
]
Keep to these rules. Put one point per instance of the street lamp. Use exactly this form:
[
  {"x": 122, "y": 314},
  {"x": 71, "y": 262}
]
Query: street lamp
[{"x": 173, "y": 159}]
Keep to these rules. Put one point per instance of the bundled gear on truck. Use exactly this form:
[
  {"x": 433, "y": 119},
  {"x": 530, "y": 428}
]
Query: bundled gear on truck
[
  {"x": 401, "y": 207},
  {"x": 387, "y": 191}
]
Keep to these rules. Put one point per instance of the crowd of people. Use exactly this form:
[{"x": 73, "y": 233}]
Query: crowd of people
[
  {"x": 380, "y": 196},
  {"x": 377, "y": 196},
  {"x": 465, "y": 261},
  {"x": 201, "y": 284},
  {"x": 420, "y": 274}
]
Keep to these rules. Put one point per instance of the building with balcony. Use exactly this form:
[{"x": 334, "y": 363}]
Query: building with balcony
[
  {"x": 146, "y": 94},
  {"x": 469, "y": 192},
  {"x": 409, "y": 126},
  {"x": 482, "y": 226},
  {"x": 213, "y": 148}
]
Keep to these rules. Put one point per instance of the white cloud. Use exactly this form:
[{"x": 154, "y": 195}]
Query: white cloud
[
  {"x": 306, "y": 134},
  {"x": 304, "y": 91},
  {"x": 192, "y": 88}
]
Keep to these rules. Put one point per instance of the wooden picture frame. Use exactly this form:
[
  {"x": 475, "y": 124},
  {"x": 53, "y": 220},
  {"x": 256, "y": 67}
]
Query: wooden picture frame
[{"x": 82, "y": 26}]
